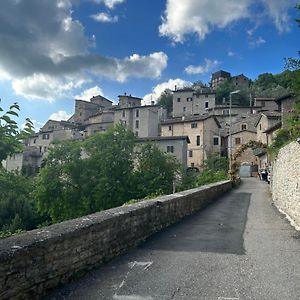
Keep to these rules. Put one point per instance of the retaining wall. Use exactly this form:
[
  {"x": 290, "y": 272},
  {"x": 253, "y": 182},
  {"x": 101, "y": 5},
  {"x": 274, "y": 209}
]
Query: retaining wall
[
  {"x": 39, "y": 260},
  {"x": 286, "y": 182}
]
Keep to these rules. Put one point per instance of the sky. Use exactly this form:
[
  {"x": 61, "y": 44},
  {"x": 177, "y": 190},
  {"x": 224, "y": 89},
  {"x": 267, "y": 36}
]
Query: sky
[{"x": 55, "y": 51}]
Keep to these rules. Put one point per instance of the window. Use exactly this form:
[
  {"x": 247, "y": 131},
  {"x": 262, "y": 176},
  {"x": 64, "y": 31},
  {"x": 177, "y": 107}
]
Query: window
[
  {"x": 206, "y": 104},
  {"x": 259, "y": 126},
  {"x": 170, "y": 149},
  {"x": 244, "y": 126},
  {"x": 189, "y": 99},
  {"x": 45, "y": 136},
  {"x": 34, "y": 141},
  {"x": 137, "y": 124},
  {"x": 192, "y": 165},
  {"x": 237, "y": 141},
  {"x": 137, "y": 113},
  {"x": 136, "y": 133},
  {"x": 216, "y": 141},
  {"x": 170, "y": 127},
  {"x": 194, "y": 125},
  {"x": 190, "y": 153},
  {"x": 184, "y": 108},
  {"x": 225, "y": 111},
  {"x": 178, "y": 99},
  {"x": 198, "y": 140},
  {"x": 123, "y": 113}
]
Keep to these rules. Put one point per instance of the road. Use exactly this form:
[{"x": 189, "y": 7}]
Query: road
[{"x": 237, "y": 248}]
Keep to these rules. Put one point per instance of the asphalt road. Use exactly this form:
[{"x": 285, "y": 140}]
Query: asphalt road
[{"x": 238, "y": 248}]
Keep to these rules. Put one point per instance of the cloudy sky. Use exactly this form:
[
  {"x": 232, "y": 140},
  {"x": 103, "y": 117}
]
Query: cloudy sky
[{"x": 53, "y": 51}]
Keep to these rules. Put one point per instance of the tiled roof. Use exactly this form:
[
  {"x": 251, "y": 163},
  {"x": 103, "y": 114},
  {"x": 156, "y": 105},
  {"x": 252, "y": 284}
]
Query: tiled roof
[{"x": 163, "y": 138}]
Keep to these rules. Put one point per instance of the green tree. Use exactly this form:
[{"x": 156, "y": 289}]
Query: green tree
[
  {"x": 10, "y": 135},
  {"x": 215, "y": 162},
  {"x": 60, "y": 184},
  {"x": 111, "y": 157},
  {"x": 155, "y": 171},
  {"x": 17, "y": 210},
  {"x": 85, "y": 177},
  {"x": 166, "y": 100}
]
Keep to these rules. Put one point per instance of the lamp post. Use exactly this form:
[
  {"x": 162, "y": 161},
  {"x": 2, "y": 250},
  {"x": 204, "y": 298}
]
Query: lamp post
[{"x": 230, "y": 124}]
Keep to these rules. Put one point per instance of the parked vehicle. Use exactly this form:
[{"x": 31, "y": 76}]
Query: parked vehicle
[{"x": 263, "y": 174}]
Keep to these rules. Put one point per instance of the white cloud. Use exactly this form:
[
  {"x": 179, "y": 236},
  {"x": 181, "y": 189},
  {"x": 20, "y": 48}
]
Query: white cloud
[
  {"x": 160, "y": 88},
  {"x": 202, "y": 69},
  {"x": 104, "y": 18},
  {"x": 141, "y": 66},
  {"x": 48, "y": 58},
  {"x": 61, "y": 115},
  {"x": 110, "y": 3},
  {"x": 278, "y": 11},
  {"x": 89, "y": 93},
  {"x": 200, "y": 17},
  {"x": 230, "y": 53},
  {"x": 256, "y": 42},
  {"x": 44, "y": 87}
]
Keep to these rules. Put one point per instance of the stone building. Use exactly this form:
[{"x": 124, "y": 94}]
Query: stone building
[
  {"x": 189, "y": 102},
  {"x": 265, "y": 122},
  {"x": 174, "y": 145},
  {"x": 243, "y": 130},
  {"x": 219, "y": 77},
  {"x": 240, "y": 81},
  {"x": 203, "y": 132},
  {"x": 285, "y": 106},
  {"x": 266, "y": 104}
]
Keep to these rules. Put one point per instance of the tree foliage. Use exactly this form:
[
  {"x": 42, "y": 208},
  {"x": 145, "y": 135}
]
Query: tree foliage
[
  {"x": 155, "y": 171},
  {"x": 10, "y": 135},
  {"x": 166, "y": 100},
  {"x": 17, "y": 210},
  {"x": 84, "y": 177}
]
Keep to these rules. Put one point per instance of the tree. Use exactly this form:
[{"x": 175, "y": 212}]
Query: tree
[
  {"x": 60, "y": 184},
  {"x": 155, "y": 171},
  {"x": 80, "y": 178},
  {"x": 17, "y": 209},
  {"x": 10, "y": 135},
  {"x": 166, "y": 100}
]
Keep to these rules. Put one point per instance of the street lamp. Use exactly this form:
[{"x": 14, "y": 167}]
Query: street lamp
[{"x": 230, "y": 123}]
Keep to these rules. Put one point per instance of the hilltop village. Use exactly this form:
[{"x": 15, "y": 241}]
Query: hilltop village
[{"x": 196, "y": 128}]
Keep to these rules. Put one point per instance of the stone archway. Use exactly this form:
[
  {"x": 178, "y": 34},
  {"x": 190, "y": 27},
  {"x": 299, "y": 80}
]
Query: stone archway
[{"x": 235, "y": 164}]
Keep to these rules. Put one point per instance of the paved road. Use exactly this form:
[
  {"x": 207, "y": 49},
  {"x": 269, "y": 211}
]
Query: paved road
[{"x": 238, "y": 248}]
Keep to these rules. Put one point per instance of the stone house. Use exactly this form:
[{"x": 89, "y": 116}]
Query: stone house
[
  {"x": 219, "y": 77},
  {"x": 203, "y": 132},
  {"x": 285, "y": 106},
  {"x": 243, "y": 131},
  {"x": 266, "y": 104},
  {"x": 174, "y": 145},
  {"x": 189, "y": 102},
  {"x": 240, "y": 81},
  {"x": 265, "y": 122}
]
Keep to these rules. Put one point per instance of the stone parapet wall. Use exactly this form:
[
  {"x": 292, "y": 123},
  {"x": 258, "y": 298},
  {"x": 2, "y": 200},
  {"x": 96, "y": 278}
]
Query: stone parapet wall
[
  {"x": 37, "y": 261},
  {"x": 286, "y": 182}
]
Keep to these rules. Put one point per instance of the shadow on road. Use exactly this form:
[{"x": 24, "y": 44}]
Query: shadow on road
[{"x": 219, "y": 228}]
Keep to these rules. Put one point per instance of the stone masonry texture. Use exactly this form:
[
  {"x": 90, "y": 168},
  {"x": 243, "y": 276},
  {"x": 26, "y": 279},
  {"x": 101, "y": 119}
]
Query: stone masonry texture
[
  {"x": 286, "y": 181},
  {"x": 39, "y": 260}
]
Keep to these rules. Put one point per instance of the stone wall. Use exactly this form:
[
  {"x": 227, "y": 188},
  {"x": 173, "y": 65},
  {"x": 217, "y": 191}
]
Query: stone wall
[
  {"x": 286, "y": 182},
  {"x": 37, "y": 261}
]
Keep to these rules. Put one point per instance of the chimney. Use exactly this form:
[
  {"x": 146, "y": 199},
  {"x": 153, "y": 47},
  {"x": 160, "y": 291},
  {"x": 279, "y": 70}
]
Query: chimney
[{"x": 175, "y": 87}]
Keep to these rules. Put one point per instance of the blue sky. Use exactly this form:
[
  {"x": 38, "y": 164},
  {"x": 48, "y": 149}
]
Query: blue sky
[{"x": 54, "y": 51}]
